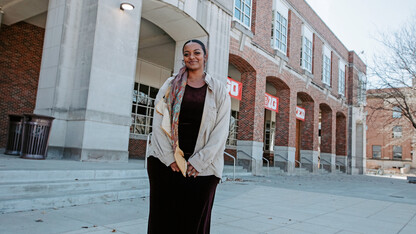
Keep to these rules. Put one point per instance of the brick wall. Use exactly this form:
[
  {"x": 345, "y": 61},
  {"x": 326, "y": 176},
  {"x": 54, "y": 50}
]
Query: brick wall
[
  {"x": 137, "y": 148},
  {"x": 380, "y": 130},
  {"x": 262, "y": 24},
  {"x": 334, "y": 73},
  {"x": 294, "y": 42},
  {"x": 317, "y": 60},
  {"x": 20, "y": 57},
  {"x": 341, "y": 136},
  {"x": 326, "y": 129}
]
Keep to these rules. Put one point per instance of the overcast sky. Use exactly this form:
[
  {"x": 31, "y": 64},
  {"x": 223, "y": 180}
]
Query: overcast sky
[{"x": 358, "y": 22}]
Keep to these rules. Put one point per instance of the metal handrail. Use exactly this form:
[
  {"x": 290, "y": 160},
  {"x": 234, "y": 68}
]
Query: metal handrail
[
  {"x": 229, "y": 155},
  {"x": 255, "y": 161},
  {"x": 287, "y": 160},
  {"x": 321, "y": 159},
  {"x": 307, "y": 160},
  {"x": 303, "y": 158},
  {"x": 268, "y": 164},
  {"x": 147, "y": 150}
]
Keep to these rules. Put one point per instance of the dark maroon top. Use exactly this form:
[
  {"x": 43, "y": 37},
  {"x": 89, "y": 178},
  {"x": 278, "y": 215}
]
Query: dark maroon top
[{"x": 190, "y": 117}]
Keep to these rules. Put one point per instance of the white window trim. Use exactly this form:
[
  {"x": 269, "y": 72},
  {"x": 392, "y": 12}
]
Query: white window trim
[
  {"x": 304, "y": 54},
  {"x": 240, "y": 21},
  {"x": 326, "y": 65},
  {"x": 341, "y": 79},
  {"x": 280, "y": 7},
  {"x": 326, "y": 70},
  {"x": 274, "y": 39}
]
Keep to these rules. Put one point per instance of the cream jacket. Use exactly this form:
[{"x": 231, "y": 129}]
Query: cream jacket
[{"x": 208, "y": 157}]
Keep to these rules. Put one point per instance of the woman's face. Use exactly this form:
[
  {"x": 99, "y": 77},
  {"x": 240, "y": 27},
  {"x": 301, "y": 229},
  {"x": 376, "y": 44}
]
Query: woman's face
[{"x": 193, "y": 56}]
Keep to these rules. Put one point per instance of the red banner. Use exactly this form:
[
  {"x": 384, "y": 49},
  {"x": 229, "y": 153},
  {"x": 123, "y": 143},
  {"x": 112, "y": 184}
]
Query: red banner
[
  {"x": 271, "y": 102},
  {"x": 234, "y": 88},
  {"x": 300, "y": 113}
]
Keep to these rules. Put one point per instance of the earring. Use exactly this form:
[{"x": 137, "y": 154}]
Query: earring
[{"x": 183, "y": 63}]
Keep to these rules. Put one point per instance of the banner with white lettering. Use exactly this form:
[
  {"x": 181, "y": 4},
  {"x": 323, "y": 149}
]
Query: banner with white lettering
[
  {"x": 234, "y": 88},
  {"x": 300, "y": 113},
  {"x": 271, "y": 102}
]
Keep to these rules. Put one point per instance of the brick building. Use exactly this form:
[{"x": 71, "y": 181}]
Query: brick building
[
  {"x": 100, "y": 68},
  {"x": 391, "y": 139}
]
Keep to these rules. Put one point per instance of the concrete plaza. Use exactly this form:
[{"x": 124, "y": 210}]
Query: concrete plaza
[{"x": 273, "y": 204}]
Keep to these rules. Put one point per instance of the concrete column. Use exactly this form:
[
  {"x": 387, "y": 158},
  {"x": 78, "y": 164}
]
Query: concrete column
[
  {"x": 255, "y": 150},
  {"x": 86, "y": 78},
  {"x": 216, "y": 19},
  {"x": 287, "y": 153}
]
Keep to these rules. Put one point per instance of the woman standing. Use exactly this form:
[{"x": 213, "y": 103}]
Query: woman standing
[{"x": 190, "y": 128}]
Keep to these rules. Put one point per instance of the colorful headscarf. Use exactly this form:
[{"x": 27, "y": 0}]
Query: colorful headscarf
[{"x": 174, "y": 101}]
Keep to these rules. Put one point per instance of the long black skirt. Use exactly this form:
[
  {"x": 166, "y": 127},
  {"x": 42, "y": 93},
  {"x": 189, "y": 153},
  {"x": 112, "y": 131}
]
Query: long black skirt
[{"x": 178, "y": 204}]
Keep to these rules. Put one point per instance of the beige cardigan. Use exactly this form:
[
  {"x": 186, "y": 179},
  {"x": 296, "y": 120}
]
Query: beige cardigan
[{"x": 208, "y": 157}]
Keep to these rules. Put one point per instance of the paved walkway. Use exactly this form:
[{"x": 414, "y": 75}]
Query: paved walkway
[{"x": 275, "y": 204}]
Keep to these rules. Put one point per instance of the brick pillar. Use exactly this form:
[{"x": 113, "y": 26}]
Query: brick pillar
[
  {"x": 282, "y": 147},
  {"x": 251, "y": 122},
  {"x": 327, "y": 159},
  {"x": 309, "y": 135},
  {"x": 341, "y": 138}
]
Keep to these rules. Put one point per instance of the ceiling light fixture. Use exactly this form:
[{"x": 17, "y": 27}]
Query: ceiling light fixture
[{"x": 126, "y": 6}]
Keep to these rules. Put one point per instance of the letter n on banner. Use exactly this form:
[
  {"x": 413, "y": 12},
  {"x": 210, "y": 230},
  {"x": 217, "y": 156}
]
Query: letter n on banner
[
  {"x": 271, "y": 102},
  {"x": 234, "y": 88},
  {"x": 300, "y": 113}
]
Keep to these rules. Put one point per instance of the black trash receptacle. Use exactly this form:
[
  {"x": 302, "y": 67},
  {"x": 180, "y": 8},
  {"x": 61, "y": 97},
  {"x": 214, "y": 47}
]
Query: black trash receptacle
[
  {"x": 14, "y": 136},
  {"x": 36, "y": 129}
]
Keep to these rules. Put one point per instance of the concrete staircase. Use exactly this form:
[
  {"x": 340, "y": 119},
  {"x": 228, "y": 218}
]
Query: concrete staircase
[
  {"x": 22, "y": 190},
  {"x": 274, "y": 171},
  {"x": 239, "y": 172},
  {"x": 301, "y": 171}
]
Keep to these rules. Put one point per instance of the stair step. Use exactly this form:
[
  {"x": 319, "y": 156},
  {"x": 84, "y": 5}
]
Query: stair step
[
  {"x": 36, "y": 189},
  {"x": 44, "y": 202},
  {"x": 9, "y": 176}
]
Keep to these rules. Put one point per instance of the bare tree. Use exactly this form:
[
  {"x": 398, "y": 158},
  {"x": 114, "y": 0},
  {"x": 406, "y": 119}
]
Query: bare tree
[{"x": 395, "y": 66}]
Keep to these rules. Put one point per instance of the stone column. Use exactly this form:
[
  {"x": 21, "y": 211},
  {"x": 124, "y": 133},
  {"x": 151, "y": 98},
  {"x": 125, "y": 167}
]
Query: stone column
[{"x": 86, "y": 78}]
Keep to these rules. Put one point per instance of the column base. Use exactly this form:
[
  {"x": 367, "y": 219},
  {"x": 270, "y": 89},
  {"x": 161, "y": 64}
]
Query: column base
[
  {"x": 87, "y": 155},
  {"x": 310, "y": 157},
  {"x": 288, "y": 153},
  {"x": 255, "y": 150}
]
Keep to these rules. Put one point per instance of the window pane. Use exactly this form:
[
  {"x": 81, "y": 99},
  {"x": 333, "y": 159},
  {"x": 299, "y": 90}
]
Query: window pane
[
  {"x": 246, "y": 21},
  {"x": 153, "y": 92},
  {"x": 238, "y": 4},
  {"x": 237, "y": 14},
  {"x": 248, "y": 2}
]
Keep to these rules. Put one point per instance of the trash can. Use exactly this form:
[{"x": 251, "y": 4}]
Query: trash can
[
  {"x": 36, "y": 129},
  {"x": 14, "y": 136}
]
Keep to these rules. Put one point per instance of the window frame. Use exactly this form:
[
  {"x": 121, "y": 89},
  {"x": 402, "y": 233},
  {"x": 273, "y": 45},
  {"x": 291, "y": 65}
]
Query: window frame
[
  {"x": 137, "y": 128},
  {"x": 341, "y": 82},
  {"x": 397, "y": 112},
  {"x": 277, "y": 41},
  {"x": 306, "y": 58},
  {"x": 241, "y": 21},
  {"x": 397, "y": 131},
  {"x": 326, "y": 70},
  {"x": 372, "y": 151},
  {"x": 401, "y": 152}
]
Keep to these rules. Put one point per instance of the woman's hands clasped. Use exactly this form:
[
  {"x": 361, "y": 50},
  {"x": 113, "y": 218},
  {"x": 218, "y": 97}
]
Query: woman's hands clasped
[{"x": 191, "y": 171}]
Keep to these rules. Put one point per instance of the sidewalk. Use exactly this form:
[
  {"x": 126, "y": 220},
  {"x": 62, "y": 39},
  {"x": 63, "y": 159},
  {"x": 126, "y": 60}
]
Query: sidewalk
[{"x": 275, "y": 204}]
